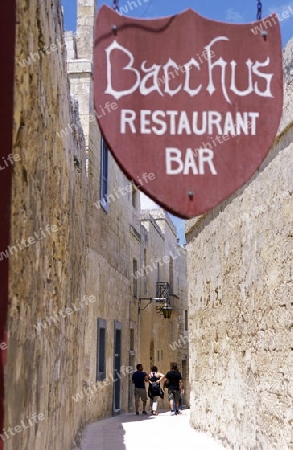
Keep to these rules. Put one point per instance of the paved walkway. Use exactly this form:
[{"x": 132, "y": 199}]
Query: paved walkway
[{"x": 131, "y": 432}]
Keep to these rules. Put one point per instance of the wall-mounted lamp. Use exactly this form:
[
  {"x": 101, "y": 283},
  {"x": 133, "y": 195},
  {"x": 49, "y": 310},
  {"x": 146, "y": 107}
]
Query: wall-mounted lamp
[{"x": 166, "y": 309}]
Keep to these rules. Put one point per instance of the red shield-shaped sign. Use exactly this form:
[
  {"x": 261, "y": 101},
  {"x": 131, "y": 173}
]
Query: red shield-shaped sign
[{"x": 188, "y": 106}]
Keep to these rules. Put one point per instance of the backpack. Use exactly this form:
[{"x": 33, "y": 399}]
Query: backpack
[{"x": 154, "y": 387}]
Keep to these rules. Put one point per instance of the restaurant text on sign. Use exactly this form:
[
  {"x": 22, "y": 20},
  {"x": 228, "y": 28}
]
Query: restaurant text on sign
[
  {"x": 149, "y": 79},
  {"x": 168, "y": 102},
  {"x": 178, "y": 122}
]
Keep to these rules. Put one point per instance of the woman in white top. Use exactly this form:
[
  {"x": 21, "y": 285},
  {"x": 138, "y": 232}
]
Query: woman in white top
[{"x": 154, "y": 387}]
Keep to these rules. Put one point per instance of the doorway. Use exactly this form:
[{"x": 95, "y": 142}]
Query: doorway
[{"x": 117, "y": 368}]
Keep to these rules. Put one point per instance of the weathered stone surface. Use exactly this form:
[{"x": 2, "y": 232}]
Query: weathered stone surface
[
  {"x": 86, "y": 11},
  {"x": 52, "y": 350},
  {"x": 241, "y": 311},
  {"x": 41, "y": 371},
  {"x": 288, "y": 85},
  {"x": 89, "y": 254},
  {"x": 241, "y": 317}
]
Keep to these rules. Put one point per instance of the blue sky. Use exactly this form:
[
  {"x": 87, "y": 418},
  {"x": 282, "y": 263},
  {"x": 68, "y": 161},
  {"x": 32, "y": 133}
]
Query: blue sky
[{"x": 231, "y": 11}]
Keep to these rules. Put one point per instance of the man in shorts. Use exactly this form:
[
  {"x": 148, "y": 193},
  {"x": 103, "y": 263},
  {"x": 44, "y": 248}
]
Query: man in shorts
[
  {"x": 175, "y": 387},
  {"x": 138, "y": 379}
]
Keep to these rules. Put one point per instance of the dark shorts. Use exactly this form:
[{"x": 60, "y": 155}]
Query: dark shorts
[{"x": 174, "y": 395}]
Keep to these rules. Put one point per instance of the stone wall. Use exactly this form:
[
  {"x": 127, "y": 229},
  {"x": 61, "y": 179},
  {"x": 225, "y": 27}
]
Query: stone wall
[
  {"x": 240, "y": 293},
  {"x": 113, "y": 240},
  {"x": 64, "y": 244},
  {"x": 56, "y": 183},
  {"x": 47, "y": 270}
]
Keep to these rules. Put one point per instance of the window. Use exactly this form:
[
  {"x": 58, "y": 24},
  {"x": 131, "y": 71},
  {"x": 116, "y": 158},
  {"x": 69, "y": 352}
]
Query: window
[
  {"x": 104, "y": 175},
  {"x": 134, "y": 272},
  {"x": 101, "y": 350},
  {"x": 131, "y": 344},
  {"x": 158, "y": 272},
  {"x": 186, "y": 320},
  {"x": 117, "y": 366},
  {"x": 152, "y": 351},
  {"x": 134, "y": 196},
  {"x": 171, "y": 274},
  {"x": 145, "y": 278}
]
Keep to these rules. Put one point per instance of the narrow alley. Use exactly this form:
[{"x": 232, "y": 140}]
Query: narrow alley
[
  {"x": 146, "y": 225},
  {"x": 131, "y": 432}
]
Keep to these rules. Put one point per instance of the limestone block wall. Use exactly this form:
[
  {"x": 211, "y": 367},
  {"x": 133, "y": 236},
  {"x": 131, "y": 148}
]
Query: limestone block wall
[
  {"x": 182, "y": 307},
  {"x": 109, "y": 267},
  {"x": 63, "y": 245},
  {"x": 113, "y": 237},
  {"x": 288, "y": 85},
  {"x": 240, "y": 293},
  {"x": 112, "y": 245},
  {"x": 47, "y": 269}
]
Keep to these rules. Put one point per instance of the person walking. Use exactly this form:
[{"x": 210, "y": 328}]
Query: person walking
[
  {"x": 154, "y": 390},
  {"x": 175, "y": 387},
  {"x": 138, "y": 379}
]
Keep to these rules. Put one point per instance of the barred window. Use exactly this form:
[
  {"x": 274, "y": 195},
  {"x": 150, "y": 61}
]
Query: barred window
[
  {"x": 101, "y": 350},
  {"x": 104, "y": 175}
]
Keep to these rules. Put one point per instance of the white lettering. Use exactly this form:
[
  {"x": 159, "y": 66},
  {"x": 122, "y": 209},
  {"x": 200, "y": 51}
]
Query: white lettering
[
  {"x": 253, "y": 117},
  {"x": 191, "y": 92},
  {"x": 203, "y": 123},
  {"x": 233, "y": 76},
  {"x": 241, "y": 122},
  {"x": 175, "y": 165},
  {"x": 144, "y": 122},
  {"x": 267, "y": 76},
  {"x": 189, "y": 163},
  {"x": 173, "y": 155},
  {"x": 127, "y": 116},
  {"x": 183, "y": 124},
  {"x": 220, "y": 62},
  {"x": 205, "y": 155},
  {"x": 178, "y": 123},
  {"x": 160, "y": 122},
  {"x": 110, "y": 90},
  {"x": 229, "y": 127},
  {"x": 147, "y": 80},
  {"x": 153, "y": 72},
  {"x": 214, "y": 119},
  {"x": 172, "y": 115},
  {"x": 169, "y": 91}
]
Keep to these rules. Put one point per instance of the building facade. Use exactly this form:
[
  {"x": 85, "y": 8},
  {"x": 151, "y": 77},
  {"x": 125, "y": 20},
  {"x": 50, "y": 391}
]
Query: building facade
[
  {"x": 163, "y": 274},
  {"x": 112, "y": 213}
]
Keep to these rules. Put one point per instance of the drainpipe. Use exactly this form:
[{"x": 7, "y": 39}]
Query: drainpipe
[{"x": 7, "y": 55}]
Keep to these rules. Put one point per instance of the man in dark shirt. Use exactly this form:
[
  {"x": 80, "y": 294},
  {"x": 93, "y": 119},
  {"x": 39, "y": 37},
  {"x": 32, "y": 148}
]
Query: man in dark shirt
[
  {"x": 138, "y": 379},
  {"x": 175, "y": 387}
]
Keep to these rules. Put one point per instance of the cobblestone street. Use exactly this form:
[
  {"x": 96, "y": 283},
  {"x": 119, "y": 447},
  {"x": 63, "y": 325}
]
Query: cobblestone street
[{"x": 131, "y": 432}]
